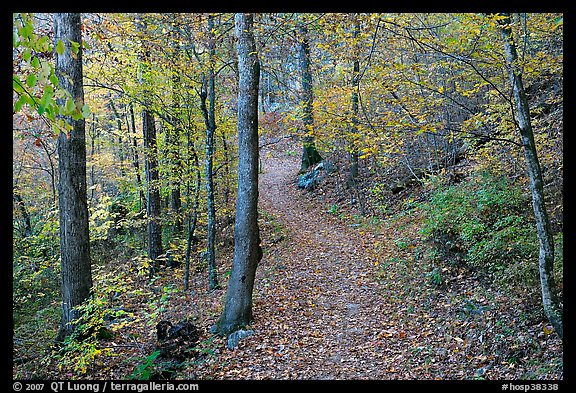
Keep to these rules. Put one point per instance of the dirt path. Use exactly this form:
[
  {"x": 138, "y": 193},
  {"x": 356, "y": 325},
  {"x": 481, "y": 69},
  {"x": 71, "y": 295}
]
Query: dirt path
[
  {"x": 335, "y": 301},
  {"x": 316, "y": 306}
]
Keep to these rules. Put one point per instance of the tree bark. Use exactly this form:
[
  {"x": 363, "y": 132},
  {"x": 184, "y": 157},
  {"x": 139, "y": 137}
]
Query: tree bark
[
  {"x": 247, "y": 252},
  {"x": 173, "y": 147},
  {"x": 120, "y": 141},
  {"x": 208, "y": 92},
  {"x": 355, "y": 100},
  {"x": 154, "y": 226},
  {"x": 192, "y": 216},
  {"x": 172, "y": 154},
  {"x": 72, "y": 197},
  {"x": 550, "y": 299},
  {"x": 153, "y": 207},
  {"x": 226, "y": 169},
  {"x": 310, "y": 155},
  {"x": 22, "y": 207},
  {"x": 136, "y": 159}
]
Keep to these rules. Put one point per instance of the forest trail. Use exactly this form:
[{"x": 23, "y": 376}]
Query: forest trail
[
  {"x": 321, "y": 311},
  {"x": 337, "y": 300}
]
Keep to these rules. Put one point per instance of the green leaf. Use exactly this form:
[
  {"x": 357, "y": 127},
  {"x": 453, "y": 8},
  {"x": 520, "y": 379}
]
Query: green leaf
[
  {"x": 74, "y": 46},
  {"x": 559, "y": 20},
  {"x": 35, "y": 62},
  {"x": 28, "y": 100},
  {"x": 49, "y": 113},
  {"x": 18, "y": 105},
  {"x": 47, "y": 96},
  {"x": 28, "y": 29},
  {"x": 31, "y": 80},
  {"x": 40, "y": 109},
  {"x": 43, "y": 44},
  {"x": 69, "y": 106},
  {"x": 17, "y": 85},
  {"x": 26, "y": 55},
  {"x": 54, "y": 79},
  {"x": 60, "y": 47},
  {"x": 85, "y": 111}
]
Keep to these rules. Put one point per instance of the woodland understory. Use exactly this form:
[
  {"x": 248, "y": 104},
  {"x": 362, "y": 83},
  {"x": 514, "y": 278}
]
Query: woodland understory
[{"x": 399, "y": 238}]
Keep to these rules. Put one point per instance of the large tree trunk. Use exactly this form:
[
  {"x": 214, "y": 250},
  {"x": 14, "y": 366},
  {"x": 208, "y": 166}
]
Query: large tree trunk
[
  {"x": 546, "y": 258},
  {"x": 72, "y": 198},
  {"x": 310, "y": 155},
  {"x": 247, "y": 252}
]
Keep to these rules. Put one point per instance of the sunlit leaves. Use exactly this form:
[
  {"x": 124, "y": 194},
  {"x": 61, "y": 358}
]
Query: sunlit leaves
[
  {"x": 35, "y": 83},
  {"x": 60, "y": 48}
]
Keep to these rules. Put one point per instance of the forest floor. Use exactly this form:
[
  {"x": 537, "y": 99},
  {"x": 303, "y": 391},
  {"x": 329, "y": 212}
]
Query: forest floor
[{"x": 337, "y": 296}]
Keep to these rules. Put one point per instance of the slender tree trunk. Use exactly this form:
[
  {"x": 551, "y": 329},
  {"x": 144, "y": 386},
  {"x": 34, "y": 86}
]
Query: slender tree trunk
[
  {"x": 72, "y": 198},
  {"x": 153, "y": 207},
  {"x": 173, "y": 147},
  {"x": 22, "y": 207},
  {"x": 136, "y": 159},
  {"x": 355, "y": 95},
  {"x": 550, "y": 300},
  {"x": 208, "y": 92},
  {"x": 120, "y": 141},
  {"x": 310, "y": 155},
  {"x": 192, "y": 217},
  {"x": 247, "y": 252},
  {"x": 175, "y": 194},
  {"x": 174, "y": 163},
  {"x": 226, "y": 169},
  {"x": 92, "y": 153}
]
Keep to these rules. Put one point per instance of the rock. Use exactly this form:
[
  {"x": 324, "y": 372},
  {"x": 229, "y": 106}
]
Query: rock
[
  {"x": 176, "y": 341},
  {"x": 309, "y": 180},
  {"x": 238, "y": 335}
]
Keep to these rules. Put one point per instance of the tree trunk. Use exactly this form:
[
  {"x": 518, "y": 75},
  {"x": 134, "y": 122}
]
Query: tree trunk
[
  {"x": 153, "y": 207},
  {"x": 355, "y": 99},
  {"x": 310, "y": 155},
  {"x": 22, "y": 207},
  {"x": 174, "y": 163},
  {"x": 193, "y": 216},
  {"x": 247, "y": 252},
  {"x": 210, "y": 121},
  {"x": 152, "y": 184},
  {"x": 72, "y": 197},
  {"x": 173, "y": 147},
  {"x": 92, "y": 153},
  {"x": 120, "y": 141},
  {"x": 550, "y": 300},
  {"x": 136, "y": 159},
  {"x": 226, "y": 169}
]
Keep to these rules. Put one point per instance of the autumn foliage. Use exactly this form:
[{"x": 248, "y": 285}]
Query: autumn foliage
[{"x": 414, "y": 256}]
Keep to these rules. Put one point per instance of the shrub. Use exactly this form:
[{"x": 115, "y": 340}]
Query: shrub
[{"x": 484, "y": 224}]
